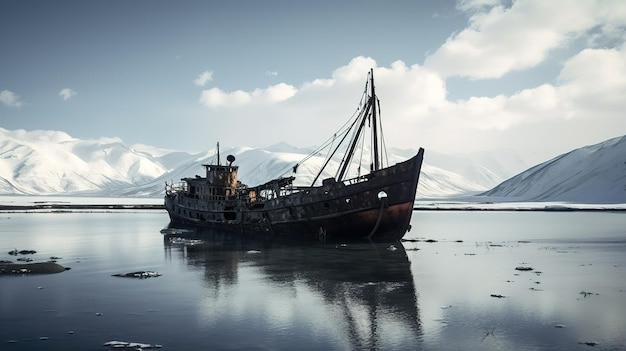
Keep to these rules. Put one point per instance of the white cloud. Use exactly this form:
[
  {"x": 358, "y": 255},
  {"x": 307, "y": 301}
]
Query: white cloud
[
  {"x": 585, "y": 107},
  {"x": 204, "y": 78},
  {"x": 595, "y": 81},
  {"x": 66, "y": 93},
  {"x": 216, "y": 97},
  {"x": 271, "y": 73},
  {"x": 355, "y": 71},
  {"x": 9, "y": 98},
  {"x": 275, "y": 93},
  {"x": 470, "y": 5},
  {"x": 500, "y": 39},
  {"x": 318, "y": 108}
]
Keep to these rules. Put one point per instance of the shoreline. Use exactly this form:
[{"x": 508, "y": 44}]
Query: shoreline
[
  {"x": 468, "y": 206},
  {"x": 522, "y": 209},
  {"x": 41, "y": 204},
  {"x": 48, "y": 206}
]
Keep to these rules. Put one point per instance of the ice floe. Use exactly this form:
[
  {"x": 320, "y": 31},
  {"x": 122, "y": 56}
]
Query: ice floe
[
  {"x": 139, "y": 274},
  {"x": 130, "y": 345}
]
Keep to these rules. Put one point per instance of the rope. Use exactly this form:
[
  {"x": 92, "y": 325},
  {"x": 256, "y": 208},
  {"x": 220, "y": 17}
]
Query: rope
[{"x": 383, "y": 204}]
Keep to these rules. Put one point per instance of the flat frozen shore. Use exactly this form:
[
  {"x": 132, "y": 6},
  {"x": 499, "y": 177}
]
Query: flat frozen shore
[
  {"x": 77, "y": 203},
  {"x": 443, "y": 205},
  {"x": 71, "y": 203}
]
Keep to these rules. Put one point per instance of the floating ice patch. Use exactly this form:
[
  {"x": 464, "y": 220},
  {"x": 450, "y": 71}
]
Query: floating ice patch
[
  {"x": 523, "y": 268},
  {"x": 183, "y": 241},
  {"x": 139, "y": 274},
  {"x": 131, "y": 345},
  {"x": 175, "y": 231}
]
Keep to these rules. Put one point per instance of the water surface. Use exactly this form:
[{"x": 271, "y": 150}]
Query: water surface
[{"x": 433, "y": 292}]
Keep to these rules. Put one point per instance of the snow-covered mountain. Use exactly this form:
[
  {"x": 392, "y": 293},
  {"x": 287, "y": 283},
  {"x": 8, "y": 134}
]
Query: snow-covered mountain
[
  {"x": 51, "y": 162},
  {"x": 485, "y": 168},
  {"x": 54, "y": 163},
  {"x": 591, "y": 174}
]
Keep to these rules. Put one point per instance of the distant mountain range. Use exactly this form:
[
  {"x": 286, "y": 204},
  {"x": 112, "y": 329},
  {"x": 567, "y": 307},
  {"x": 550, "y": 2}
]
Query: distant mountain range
[{"x": 54, "y": 163}]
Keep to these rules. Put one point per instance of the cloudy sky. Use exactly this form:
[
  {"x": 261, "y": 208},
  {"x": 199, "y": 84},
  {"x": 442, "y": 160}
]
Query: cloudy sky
[{"x": 538, "y": 77}]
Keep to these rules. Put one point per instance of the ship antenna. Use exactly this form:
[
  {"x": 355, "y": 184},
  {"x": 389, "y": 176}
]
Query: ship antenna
[{"x": 218, "y": 153}]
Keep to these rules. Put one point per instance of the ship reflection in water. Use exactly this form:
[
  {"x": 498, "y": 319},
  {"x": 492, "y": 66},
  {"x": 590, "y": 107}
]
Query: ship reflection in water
[{"x": 342, "y": 295}]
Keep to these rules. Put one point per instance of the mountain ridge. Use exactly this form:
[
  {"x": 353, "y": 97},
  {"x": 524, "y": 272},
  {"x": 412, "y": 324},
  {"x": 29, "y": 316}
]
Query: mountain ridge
[{"x": 53, "y": 163}]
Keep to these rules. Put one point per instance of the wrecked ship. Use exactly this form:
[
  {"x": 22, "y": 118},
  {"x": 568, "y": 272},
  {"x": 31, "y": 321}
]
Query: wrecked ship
[{"x": 376, "y": 205}]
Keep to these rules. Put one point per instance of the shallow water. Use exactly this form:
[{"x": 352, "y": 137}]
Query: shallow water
[{"x": 430, "y": 294}]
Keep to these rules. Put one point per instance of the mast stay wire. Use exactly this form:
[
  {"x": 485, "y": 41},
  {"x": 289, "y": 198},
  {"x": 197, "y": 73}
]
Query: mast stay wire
[{"x": 382, "y": 137}]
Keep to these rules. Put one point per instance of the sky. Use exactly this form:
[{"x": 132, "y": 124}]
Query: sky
[{"x": 537, "y": 77}]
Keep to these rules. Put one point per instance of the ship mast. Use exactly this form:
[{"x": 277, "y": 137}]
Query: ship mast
[
  {"x": 368, "y": 111},
  {"x": 370, "y": 106},
  {"x": 374, "y": 122}
]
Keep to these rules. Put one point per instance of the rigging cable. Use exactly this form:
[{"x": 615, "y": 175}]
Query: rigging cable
[
  {"x": 343, "y": 131},
  {"x": 346, "y": 158},
  {"x": 382, "y": 136},
  {"x": 361, "y": 157}
]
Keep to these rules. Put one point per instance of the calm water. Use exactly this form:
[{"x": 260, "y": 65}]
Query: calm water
[{"x": 224, "y": 294}]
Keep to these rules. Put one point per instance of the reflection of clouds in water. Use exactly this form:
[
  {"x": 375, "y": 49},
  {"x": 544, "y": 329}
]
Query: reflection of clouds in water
[
  {"x": 90, "y": 234},
  {"x": 255, "y": 303}
]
